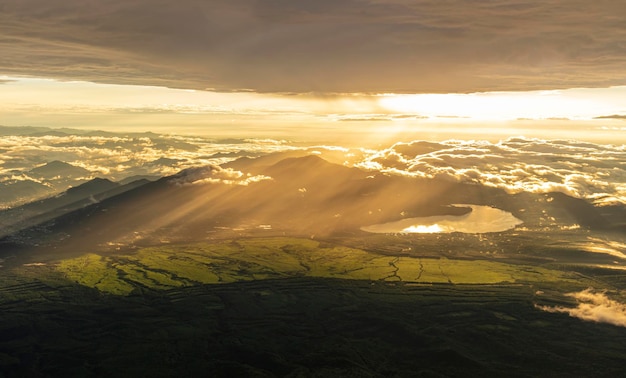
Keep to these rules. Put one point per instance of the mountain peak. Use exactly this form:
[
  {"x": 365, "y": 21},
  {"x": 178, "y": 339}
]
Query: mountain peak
[
  {"x": 58, "y": 168},
  {"x": 96, "y": 185},
  {"x": 307, "y": 165}
]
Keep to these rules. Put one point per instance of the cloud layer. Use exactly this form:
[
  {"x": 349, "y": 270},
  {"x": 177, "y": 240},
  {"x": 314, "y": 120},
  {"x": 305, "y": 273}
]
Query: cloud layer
[
  {"x": 596, "y": 172},
  {"x": 580, "y": 169},
  {"x": 113, "y": 156},
  {"x": 321, "y": 46}
]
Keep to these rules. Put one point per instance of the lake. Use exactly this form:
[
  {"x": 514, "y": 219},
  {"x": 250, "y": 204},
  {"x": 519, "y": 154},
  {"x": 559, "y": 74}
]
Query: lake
[{"x": 481, "y": 219}]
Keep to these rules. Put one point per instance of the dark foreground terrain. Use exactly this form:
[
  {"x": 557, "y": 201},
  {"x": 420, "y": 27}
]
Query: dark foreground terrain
[
  {"x": 300, "y": 328},
  {"x": 280, "y": 308}
]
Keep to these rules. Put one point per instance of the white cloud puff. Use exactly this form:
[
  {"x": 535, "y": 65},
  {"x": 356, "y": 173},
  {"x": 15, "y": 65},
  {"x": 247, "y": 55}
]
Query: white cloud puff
[
  {"x": 119, "y": 156},
  {"x": 594, "y": 307},
  {"x": 580, "y": 169},
  {"x": 214, "y": 174}
]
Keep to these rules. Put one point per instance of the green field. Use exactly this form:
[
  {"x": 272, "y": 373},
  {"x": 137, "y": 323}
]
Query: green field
[
  {"x": 172, "y": 266},
  {"x": 296, "y": 307}
]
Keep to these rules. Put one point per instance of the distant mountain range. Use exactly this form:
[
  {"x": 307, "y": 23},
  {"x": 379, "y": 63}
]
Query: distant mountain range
[
  {"x": 14, "y": 191},
  {"x": 53, "y": 178},
  {"x": 48, "y": 131},
  {"x": 35, "y": 213},
  {"x": 43, "y": 180},
  {"x": 295, "y": 195}
]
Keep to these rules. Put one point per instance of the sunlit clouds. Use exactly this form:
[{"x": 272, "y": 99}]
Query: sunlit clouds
[
  {"x": 579, "y": 169},
  {"x": 596, "y": 172},
  {"x": 84, "y": 155},
  {"x": 214, "y": 174},
  {"x": 595, "y": 307}
]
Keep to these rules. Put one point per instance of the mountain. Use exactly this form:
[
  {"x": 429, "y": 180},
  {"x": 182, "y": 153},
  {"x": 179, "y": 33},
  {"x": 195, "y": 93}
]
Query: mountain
[
  {"x": 20, "y": 191},
  {"x": 19, "y": 187},
  {"x": 37, "y": 212},
  {"x": 168, "y": 162},
  {"x": 22, "y": 130},
  {"x": 256, "y": 165},
  {"x": 58, "y": 168},
  {"x": 295, "y": 195},
  {"x": 130, "y": 179},
  {"x": 92, "y": 187}
]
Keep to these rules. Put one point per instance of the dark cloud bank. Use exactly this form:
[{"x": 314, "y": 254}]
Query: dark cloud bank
[{"x": 321, "y": 46}]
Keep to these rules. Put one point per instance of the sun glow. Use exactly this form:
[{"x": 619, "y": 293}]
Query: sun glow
[
  {"x": 424, "y": 229},
  {"x": 361, "y": 118},
  {"x": 504, "y": 105}
]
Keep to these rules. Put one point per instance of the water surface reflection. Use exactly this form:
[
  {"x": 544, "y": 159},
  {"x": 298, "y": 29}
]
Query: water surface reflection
[{"x": 481, "y": 219}]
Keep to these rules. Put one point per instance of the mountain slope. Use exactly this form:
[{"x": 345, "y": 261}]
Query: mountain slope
[
  {"x": 58, "y": 168},
  {"x": 19, "y": 191},
  {"x": 38, "y": 212},
  {"x": 305, "y": 196}
]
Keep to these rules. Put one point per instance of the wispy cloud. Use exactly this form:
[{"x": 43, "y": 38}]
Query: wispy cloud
[
  {"x": 329, "y": 46},
  {"x": 613, "y": 116},
  {"x": 375, "y": 117},
  {"x": 594, "y": 307}
]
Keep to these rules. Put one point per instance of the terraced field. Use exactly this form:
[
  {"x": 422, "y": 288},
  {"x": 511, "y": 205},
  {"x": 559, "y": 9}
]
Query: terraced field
[
  {"x": 293, "y": 307},
  {"x": 167, "y": 267}
]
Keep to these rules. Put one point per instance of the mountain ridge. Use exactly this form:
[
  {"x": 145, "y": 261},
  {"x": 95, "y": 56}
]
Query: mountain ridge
[
  {"x": 306, "y": 195},
  {"x": 37, "y": 212}
]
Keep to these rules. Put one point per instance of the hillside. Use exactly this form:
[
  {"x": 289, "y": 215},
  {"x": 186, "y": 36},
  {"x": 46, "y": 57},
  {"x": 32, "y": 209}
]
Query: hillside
[{"x": 299, "y": 196}]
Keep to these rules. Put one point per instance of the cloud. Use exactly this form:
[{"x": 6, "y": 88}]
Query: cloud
[
  {"x": 587, "y": 170},
  {"x": 214, "y": 174},
  {"x": 117, "y": 156},
  {"x": 343, "y": 46},
  {"x": 613, "y": 116},
  {"x": 376, "y": 117},
  {"x": 594, "y": 307},
  {"x": 580, "y": 169},
  {"x": 365, "y": 119}
]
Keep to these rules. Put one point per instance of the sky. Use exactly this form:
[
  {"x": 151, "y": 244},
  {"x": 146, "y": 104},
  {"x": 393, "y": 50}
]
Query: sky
[{"x": 339, "y": 70}]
